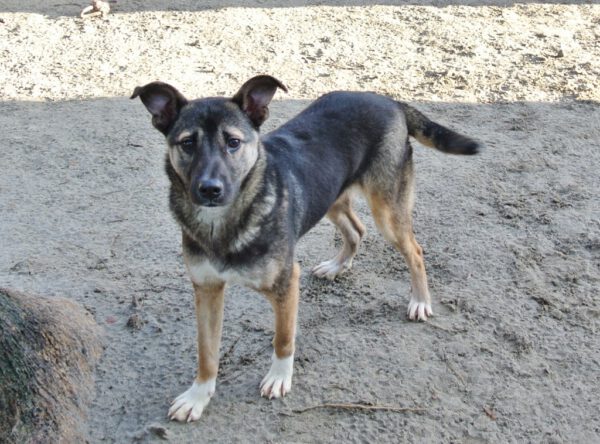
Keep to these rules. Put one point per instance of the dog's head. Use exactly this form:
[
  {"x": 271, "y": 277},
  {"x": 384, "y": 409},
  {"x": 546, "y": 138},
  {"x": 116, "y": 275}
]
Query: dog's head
[{"x": 214, "y": 142}]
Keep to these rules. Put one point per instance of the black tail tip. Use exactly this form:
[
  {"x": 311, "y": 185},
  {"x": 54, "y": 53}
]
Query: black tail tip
[
  {"x": 471, "y": 148},
  {"x": 455, "y": 143}
]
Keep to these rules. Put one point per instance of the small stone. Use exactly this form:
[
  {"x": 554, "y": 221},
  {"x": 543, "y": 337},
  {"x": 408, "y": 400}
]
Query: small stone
[
  {"x": 159, "y": 431},
  {"x": 135, "y": 322}
]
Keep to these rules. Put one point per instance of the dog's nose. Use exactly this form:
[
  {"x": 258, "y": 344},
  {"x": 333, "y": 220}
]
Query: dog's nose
[{"x": 211, "y": 189}]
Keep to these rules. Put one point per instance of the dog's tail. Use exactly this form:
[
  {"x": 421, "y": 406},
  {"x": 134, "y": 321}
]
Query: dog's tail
[{"x": 435, "y": 135}]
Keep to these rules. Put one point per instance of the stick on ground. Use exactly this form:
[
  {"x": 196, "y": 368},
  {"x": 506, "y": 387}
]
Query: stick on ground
[{"x": 361, "y": 406}]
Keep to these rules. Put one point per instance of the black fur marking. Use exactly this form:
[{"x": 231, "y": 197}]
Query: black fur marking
[
  {"x": 251, "y": 253},
  {"x": 192, "y": 247}
]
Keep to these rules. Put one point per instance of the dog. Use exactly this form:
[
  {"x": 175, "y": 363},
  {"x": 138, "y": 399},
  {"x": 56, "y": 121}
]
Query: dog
[{"x": 244, "y": 200}]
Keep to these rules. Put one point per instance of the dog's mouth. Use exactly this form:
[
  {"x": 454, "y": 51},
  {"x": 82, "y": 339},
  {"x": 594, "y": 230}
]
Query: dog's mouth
[
  {"x": 211, "y": 204},
  {"x": 204, "y": 202}
]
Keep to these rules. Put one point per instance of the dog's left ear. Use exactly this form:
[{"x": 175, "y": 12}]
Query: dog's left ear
[
  {"x": 163, "y": 101},
  {"x": 255, "y": 95}
]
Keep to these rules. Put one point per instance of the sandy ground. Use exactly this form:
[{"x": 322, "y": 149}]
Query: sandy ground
[{"x": 511, "y": 238}]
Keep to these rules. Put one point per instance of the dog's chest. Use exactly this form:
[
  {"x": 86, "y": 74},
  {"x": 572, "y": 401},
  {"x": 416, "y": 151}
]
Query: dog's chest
[{"x": 206, "y": 272}]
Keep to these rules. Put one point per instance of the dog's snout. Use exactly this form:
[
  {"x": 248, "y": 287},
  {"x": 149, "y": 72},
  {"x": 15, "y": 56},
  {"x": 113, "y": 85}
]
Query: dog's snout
[
  {"x": 210, "y": 189},
  {"x": 209, "y": 192}
]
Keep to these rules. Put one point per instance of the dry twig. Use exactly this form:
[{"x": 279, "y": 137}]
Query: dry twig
[
  {"x": 361, "y": 406},
  {"x": 491, "y": 414}
]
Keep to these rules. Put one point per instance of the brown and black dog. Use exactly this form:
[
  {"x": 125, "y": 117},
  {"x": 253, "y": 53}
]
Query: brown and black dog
[{"x": 244, "y": 200}]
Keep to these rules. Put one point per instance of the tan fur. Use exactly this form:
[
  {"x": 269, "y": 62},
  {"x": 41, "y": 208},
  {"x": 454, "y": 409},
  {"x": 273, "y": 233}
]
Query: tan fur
[
  {"x": 284, "y": 299},
  {"x": 209, "y": 316},
  {"x": 350, "y": 226},
  {"x": 427, "y": 141},
  {"x": 394, "y": 220}
]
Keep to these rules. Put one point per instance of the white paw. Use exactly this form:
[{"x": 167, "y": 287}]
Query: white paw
[
  {"x": 189, "y": 405},
  {"x": 332, "y": 268},
  {"x": 418, "y": 311},
  {"x": 278, "y": 381}
]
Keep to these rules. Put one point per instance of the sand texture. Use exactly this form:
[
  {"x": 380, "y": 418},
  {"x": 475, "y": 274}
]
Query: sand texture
[{"x": 511, "y": 237}]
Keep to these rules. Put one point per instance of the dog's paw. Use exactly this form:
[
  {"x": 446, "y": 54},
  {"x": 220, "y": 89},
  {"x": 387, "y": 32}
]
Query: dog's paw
[
  {"x": 332, "y": 268},
  {"x": 189, "y": 405},
  {"x": 278, "y": 381},
  {"x": 418, "y": 311}
]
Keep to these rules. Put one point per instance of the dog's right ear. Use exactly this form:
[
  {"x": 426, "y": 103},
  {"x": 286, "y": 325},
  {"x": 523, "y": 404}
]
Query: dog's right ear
[{"x": 163, "y": 101}]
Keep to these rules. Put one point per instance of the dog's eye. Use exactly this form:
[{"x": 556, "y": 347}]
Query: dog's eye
[
  {"x": 233, "y": 144},
  {"x": 187, "y": 144}
]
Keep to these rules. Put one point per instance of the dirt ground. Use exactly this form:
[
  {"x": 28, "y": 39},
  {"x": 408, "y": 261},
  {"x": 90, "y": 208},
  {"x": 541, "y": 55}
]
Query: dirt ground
[{"x": 511, "y": 237}]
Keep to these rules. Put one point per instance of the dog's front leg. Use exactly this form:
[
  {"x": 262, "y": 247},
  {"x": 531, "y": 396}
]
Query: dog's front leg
[
  {"x": 209, "y": 315},
  {"x": 284, "y": 299}
]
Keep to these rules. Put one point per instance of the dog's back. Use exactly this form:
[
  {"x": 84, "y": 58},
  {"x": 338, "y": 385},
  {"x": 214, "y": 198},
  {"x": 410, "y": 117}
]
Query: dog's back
[{"x": 346, "y": 138}]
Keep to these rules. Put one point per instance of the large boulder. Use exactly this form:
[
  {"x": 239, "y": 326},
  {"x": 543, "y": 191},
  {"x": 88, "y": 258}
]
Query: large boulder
[{"x": 48, "y": 351}]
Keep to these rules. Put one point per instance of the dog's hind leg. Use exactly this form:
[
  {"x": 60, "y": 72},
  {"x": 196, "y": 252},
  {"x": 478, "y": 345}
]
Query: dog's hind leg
[
  {"x": 352, "y": 231},
  {"x": 284, "y": 299},
  {"x": 393, "y": 215}
]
